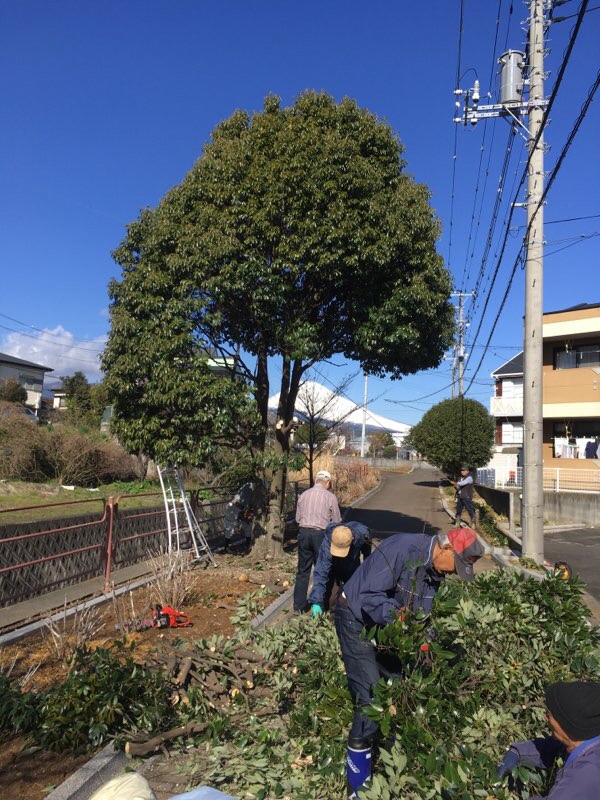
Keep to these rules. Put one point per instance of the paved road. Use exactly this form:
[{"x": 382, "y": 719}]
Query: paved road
[
  {"x": 404, "y": 503},
  {"x": 581, "y": 550},
  {"x": 410, "y": 503}
]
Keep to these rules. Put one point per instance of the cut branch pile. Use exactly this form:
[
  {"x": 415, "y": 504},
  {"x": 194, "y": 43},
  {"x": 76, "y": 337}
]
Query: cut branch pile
[{"x": 229, "y": 680}]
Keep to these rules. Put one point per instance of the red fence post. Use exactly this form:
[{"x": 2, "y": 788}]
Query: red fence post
[{"x": 109, "y": 544}]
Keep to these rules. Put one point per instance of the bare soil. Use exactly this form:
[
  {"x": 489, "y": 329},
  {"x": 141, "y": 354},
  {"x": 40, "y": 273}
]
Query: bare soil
[{"x": 30, "y": 774}]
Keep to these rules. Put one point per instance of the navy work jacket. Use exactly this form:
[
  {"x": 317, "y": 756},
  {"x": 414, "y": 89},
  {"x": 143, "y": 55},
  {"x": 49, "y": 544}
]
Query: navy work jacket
[
  {"x": 398, "y": 574},
  {"x": 361, "y": 543},
  {"x": 577, "y": 779}
]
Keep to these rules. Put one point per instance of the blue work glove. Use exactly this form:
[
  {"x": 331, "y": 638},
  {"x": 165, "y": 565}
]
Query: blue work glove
[
  {"x": 316, "y": 610},
  {"x": 508, "y": 763}
]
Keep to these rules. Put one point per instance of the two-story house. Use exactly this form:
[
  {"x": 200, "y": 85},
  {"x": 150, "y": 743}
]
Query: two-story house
[
  {"x": 571, "y": 392},
  {"x": 507, "y": 404},
  {"x": 571, "y": 407},
  {"x": 28, "y": 374}
]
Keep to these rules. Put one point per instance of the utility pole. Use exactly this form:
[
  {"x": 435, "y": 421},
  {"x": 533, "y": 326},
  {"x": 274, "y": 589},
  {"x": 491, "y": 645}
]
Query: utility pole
[
  {"x": 533, "y": 472},
  {"x": 461, "y": 344},
  {"x": 511, "y": 107},
  {"x": 363, "y": 438}
]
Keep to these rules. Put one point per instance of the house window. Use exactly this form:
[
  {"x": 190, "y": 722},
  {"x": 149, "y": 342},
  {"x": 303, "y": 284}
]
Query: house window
[
  {"x": 571, "y": 438},
  {"x": 584, "y": 355},
  {"x": 512, "y": 433},
  {"x": 512, "y": 387},
  {"x": 30, "y": 382}
]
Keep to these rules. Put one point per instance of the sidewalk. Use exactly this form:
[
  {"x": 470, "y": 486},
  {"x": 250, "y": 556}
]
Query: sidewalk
[{"x": 23, "y": 618}]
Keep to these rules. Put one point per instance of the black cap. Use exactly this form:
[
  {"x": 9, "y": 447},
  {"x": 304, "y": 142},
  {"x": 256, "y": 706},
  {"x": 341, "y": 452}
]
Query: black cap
[{"x": 576, "y": 708}]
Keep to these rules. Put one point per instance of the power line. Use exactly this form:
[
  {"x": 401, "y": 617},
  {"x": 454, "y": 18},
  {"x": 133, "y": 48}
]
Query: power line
[
  {"x": 54, "y": 344},
  {"x": 46, "y": 333},
  {"x": 570, "y": 16},
  {"x": 572, "y": 219},
  {"x": 560, "y": 76},
  {"x": 551, "y": 180}
]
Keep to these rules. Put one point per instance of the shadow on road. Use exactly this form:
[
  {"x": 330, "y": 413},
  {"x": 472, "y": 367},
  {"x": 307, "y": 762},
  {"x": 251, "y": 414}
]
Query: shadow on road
[{"x": 384, "y": 523}]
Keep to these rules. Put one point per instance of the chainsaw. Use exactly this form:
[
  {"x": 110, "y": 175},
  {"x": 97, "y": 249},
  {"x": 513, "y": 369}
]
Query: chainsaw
[{"x": 165, "y": 617}]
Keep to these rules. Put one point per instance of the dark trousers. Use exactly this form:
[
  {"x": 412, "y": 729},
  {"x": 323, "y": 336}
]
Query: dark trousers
[
  {"x": 362, "y": 670},
  {"x": 309, "y": 542},
  {"x": 464, "y": 502}
]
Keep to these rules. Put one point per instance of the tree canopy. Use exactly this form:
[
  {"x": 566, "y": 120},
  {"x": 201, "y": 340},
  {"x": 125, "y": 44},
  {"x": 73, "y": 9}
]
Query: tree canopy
[
  {"x": 379, "y": 441},
  {"x": 12, "y": 391},
  {"x": 454, "y": 433},
  {"x": 297, "y": 235}
]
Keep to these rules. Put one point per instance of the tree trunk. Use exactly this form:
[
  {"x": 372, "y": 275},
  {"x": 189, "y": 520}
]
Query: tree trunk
[{"x": 275, "y": 522}]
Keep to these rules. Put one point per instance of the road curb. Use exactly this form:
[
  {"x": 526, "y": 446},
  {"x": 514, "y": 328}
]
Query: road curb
[
  {"x": 361, "y": 500},
  {"x": 90, "y": 777},
  {"x": 272, "y": 610}
]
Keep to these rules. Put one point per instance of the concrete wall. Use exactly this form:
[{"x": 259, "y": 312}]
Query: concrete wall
[{"x": 581, "y": 508}]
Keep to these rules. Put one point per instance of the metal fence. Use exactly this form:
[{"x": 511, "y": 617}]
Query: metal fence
[
  {"x": 555, "y": 479},
  {"x": 101, "y": 536}
]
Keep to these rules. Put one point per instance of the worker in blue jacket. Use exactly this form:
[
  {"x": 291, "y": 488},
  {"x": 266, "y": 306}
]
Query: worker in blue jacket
[
  {"x": 573, "y": 713},
  {"x": 339, "y": 557},
  {"x": 403, "y": 572}
]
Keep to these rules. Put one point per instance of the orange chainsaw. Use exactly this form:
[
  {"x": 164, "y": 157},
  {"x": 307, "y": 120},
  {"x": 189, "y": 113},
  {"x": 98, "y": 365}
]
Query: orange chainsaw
[{"x": 166, "y": 617}]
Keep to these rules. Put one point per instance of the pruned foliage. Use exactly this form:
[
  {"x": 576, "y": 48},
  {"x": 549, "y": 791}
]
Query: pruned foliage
[{"x": 269, "y": 711}]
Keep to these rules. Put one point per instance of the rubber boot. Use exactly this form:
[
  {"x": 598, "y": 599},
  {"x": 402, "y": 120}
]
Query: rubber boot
[{"x": 358, "y": 765}]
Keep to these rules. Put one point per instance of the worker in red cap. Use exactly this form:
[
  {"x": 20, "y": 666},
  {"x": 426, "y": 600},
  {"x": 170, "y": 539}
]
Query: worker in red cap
[
  {"x": 403, "y": 571},
  {"x": 573, "y": 713}
]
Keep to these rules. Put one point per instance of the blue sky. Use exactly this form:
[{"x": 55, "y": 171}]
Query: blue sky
[{"x": 105, "y": 106}]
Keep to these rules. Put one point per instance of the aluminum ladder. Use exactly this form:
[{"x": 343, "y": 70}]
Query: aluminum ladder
[{"x": 184, "y": 531}]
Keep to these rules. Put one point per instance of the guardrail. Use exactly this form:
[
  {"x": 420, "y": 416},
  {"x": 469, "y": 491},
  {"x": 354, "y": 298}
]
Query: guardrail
[
  {"x": 38, "y": 556},
  {"x": 555, "y": 479}
]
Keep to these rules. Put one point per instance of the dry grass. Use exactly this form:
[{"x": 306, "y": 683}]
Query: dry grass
[
  {"x": 349, "y": 482},
  {"x": 173, "y": 581},
  {"x": 69, "y": 633}
]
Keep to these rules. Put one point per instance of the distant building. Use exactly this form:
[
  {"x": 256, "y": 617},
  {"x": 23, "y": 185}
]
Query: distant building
[
  {"x": 507, "y": 404},
  {"x": 322, "y": 405},
  {"x": 571, "y": 384},
  {"x": 59, "y": 398},
  {"x": 571, "y": 391},
  {"x": 28, "y": 374}
]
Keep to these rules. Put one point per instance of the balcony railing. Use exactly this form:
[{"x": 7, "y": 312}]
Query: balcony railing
[
  {"x": 506, "y": 406},
  {"x": 555, "y": 480}
]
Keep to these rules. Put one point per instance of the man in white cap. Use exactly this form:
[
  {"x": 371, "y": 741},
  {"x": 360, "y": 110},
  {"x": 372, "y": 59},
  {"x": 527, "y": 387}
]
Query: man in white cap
[{"x": 316, "y": 509}]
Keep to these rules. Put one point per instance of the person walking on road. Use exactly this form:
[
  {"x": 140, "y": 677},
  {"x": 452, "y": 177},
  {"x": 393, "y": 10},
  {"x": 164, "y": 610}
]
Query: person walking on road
[
  {"x": 403, "y": 572},
  {"x": 464, "y": 495},
  {"x": 573, "y": 713},
  {"x": 339, "y": 558},
  {"x": 316, "y": 509}
]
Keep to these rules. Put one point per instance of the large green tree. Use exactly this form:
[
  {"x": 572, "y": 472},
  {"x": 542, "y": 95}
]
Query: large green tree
[
  {"x": 454, "y": 433},
  {"x": 297, "y": 235}
]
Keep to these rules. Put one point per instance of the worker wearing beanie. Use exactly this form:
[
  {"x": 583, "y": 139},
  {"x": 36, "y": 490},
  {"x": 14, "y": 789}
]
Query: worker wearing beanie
[{"x": 574, "y": 716}]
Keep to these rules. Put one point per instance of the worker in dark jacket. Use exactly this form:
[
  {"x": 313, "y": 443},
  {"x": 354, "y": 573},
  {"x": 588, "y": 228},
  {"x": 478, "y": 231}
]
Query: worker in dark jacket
[
  {"x": 403, "y": 572},
  {"x": 338, "y": 559},
  {"x": 574, "y": 716},
  {"x": 464, "y": 495}
]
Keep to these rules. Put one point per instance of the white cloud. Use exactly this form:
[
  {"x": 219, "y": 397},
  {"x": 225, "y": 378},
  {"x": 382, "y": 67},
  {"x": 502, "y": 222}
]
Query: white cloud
[{"x": 58, "y": 349}]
